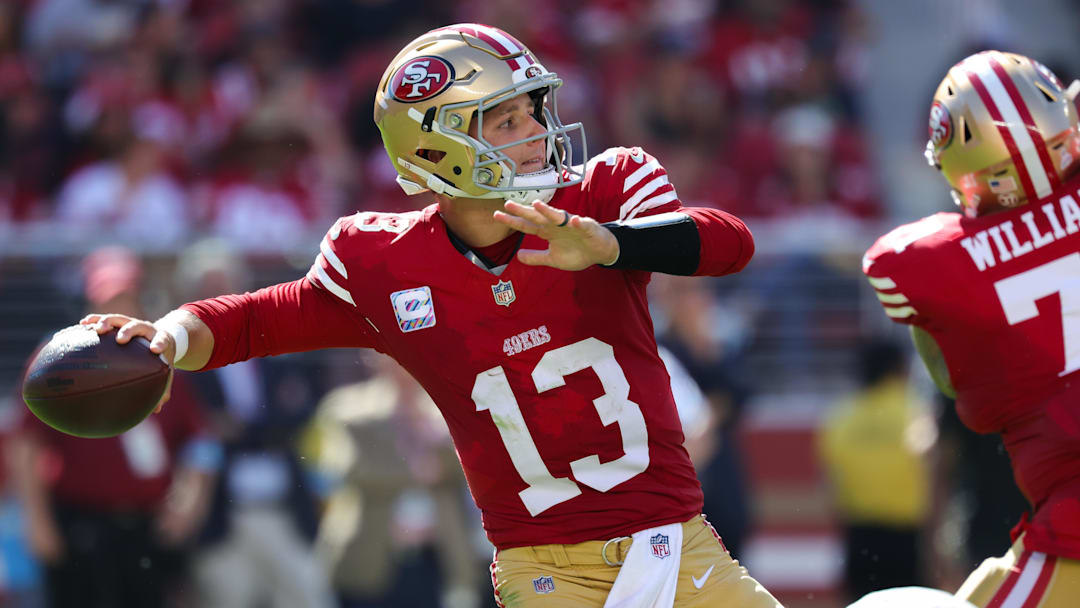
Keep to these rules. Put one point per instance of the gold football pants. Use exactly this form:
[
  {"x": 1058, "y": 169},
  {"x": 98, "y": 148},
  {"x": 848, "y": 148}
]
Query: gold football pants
[
  {"x": 579, "y": 575},
  {"x": 1024, "y": 578}
]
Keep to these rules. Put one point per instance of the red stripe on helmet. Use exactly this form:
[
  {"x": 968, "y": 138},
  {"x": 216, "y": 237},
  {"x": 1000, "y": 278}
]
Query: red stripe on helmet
[
  {"x": 1029, "y": 122},
  {"x": 1014, "y": 151},
  {"x": 524, "y": 55},
  {"x": 495, "y": 44}
]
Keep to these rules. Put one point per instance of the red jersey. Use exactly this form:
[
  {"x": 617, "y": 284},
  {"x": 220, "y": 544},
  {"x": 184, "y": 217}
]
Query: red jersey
[
  {"x": 132, "y": 471},
  {"x": 1001, "y": 296},
  {"x": 558, "y": 404}
]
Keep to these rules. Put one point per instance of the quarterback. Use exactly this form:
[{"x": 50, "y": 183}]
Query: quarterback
[
  {"x": 517, "y": 299},
  {"x": 992, "y": 296}
]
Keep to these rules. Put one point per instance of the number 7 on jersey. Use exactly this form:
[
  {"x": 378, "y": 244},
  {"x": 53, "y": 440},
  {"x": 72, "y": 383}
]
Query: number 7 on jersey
[{"x": 1019, "y": 293}]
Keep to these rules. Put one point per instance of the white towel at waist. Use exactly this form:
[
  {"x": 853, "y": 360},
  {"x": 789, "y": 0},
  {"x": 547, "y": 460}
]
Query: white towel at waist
[{"x": 650, "y": 573}]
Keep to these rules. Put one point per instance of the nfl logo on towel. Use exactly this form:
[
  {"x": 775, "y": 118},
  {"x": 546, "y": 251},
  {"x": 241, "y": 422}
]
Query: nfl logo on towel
[
  {"x": 544, "y": 584},
  {"x": 504, "y": 293},
  {"x": 660, "y": 546}
]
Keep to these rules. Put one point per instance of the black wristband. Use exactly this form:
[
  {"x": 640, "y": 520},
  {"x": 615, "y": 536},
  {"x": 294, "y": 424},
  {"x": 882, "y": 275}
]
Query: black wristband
[{"x": 668, "y": 243}]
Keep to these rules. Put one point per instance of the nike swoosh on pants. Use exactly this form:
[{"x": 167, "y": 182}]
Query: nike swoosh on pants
[{"x": 700, "y": 582}]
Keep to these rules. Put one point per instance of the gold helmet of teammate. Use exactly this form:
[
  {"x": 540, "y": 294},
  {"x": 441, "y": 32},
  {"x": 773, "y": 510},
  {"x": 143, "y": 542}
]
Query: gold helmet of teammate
[
  {"x": 1003, "y": 131},
  {"x": 440, "y": 83}
]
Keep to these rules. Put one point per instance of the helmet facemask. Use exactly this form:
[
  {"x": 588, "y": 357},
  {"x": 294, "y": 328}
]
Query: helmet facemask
[{"x": 496, "y": 173}]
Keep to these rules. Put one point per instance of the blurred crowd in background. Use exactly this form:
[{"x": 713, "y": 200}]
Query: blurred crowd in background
[
  {"x": 251, "y": 120},
  {"x": 216, "y": 140}
]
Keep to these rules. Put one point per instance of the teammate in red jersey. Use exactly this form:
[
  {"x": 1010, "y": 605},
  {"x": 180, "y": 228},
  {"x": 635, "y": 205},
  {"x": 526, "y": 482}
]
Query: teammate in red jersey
[
  {"x": 993, "y": 299},
  {"x": 558, "y": 404}
]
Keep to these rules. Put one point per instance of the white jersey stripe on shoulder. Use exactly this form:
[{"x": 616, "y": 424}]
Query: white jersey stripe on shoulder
[
  {"x": 654, "y": 202},
  {"x": 330, "y": 285},
  {"x": 332, "y": 258},
  {"x": 1011, "y": 116},
  {"x": 891, "y": 298},
  {"x": 882, "y": 282},
  {"x": 640, "y": 174},
  {"x": 901, "y": 312},
  {"x": 1030, "y": 574},
  {"x": 640, "y": 195}
]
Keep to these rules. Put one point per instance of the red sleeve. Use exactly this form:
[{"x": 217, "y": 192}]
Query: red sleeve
[
  {"x": 286, "y": 318},
  {"x": 629, "y": 183},
  {"x": 896, "y": 266},
  {"x": 726, "y": 242}
]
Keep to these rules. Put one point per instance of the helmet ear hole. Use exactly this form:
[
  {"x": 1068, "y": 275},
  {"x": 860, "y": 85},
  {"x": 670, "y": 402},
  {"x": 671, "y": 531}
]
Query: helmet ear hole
[
  {"x": 965, "y": 131},
  {"x": 433, "y": 156},
  {"x": 1046, "y": 94}
]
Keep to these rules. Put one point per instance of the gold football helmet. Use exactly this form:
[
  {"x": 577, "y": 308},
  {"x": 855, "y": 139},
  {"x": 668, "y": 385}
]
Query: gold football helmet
[
  {"x": 1003, "y": 131},
  {"x": 443, "y": 81}
]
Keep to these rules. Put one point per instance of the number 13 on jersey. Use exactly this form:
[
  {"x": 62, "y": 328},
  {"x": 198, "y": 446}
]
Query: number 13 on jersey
[{"x": 492, "y": 392}]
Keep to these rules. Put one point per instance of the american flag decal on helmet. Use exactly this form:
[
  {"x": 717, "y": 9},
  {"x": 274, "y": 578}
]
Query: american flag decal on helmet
[{"x": 1014, "y": 122}]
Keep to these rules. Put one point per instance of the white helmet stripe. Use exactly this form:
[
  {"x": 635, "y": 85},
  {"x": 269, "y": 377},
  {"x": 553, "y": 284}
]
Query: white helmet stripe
[
  {"x": 508, "y": 46},
  {"x": 980, "y": 65}
]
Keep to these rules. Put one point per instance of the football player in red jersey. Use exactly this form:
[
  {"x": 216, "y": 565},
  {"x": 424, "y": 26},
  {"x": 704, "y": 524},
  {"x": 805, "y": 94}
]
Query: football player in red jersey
[
  {"x": 518, "y": 301},
  {"x": 992, "y": 296}
]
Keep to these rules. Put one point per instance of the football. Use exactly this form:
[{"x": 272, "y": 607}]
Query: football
[{"x": 87, "y": 385}]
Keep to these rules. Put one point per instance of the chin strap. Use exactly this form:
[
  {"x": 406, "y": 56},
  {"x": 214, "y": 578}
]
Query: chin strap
[
  {"x": 533, "y": 186},
  {"x": 433, "y": 183}
]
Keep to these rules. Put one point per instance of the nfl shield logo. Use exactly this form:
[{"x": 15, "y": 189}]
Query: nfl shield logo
[
  {"x": 504, "y": 293},
  {"x": 544, "y": 584},
  {"x": 660, "y": 546}
]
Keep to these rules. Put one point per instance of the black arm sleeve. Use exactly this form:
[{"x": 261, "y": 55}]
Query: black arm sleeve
[{"x": 667, "y": 243}]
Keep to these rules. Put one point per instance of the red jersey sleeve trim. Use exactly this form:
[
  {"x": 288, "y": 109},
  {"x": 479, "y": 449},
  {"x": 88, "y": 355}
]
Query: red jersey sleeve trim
[
  {"x": 285, "y": 318},
  {"x": 726, "y": 243}
]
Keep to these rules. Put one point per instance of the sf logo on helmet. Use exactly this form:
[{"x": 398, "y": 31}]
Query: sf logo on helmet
[
  {"x": 421, "y": 78},
  {"x": 940, "y": 125}
]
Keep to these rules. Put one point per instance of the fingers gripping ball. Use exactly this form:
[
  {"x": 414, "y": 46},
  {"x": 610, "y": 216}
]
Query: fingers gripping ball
[{"x": 87, "y": 385}]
